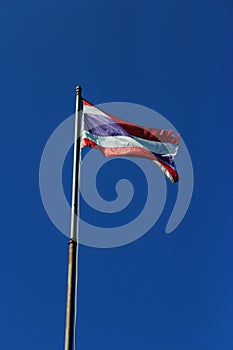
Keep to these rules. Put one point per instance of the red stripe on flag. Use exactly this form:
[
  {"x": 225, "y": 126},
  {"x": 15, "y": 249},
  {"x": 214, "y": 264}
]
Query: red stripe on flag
[
  {"x": 120, "y": 151},
  {"x": 131, "y": 152},
  {"x": 87, "y": 103}
]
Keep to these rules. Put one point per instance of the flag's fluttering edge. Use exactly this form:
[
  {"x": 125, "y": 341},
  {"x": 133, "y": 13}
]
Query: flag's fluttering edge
[{"x": 116, "y": 137}]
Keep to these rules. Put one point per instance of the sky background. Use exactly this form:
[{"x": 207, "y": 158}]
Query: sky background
[{"x": 162, "y": 292}]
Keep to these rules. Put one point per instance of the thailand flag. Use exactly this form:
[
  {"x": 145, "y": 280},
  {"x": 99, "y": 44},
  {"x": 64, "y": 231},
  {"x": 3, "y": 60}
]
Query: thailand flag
[{"x": 116, "y": 137}]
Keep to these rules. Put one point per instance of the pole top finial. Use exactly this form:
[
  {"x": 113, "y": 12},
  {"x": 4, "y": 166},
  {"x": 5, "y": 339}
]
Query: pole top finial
[{"x": 78, "y": 90}]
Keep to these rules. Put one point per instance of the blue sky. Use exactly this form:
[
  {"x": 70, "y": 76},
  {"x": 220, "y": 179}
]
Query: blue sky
[{"x": 161, "y": 292}]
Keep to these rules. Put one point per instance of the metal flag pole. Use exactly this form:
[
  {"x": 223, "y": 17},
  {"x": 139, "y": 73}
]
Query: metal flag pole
[{"x": 72, "y": 282}]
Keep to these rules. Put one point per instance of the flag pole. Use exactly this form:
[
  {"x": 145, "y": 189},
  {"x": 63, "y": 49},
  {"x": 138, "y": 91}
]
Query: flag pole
[{"x": 72, "y": 282}]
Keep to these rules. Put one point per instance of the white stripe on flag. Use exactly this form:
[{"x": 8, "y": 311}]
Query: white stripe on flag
[
  {"x": 93, "y": 110},
  {"x": 158, "y": 147},
  {"x": 128, "y": 141}
]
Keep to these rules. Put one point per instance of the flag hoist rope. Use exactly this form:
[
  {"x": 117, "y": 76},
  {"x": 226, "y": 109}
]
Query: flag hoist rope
[{"x": 72, "y": 283}]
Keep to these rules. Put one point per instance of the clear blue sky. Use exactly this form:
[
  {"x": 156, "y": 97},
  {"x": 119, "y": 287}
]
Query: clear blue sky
[{"x": 161, "y": 292}]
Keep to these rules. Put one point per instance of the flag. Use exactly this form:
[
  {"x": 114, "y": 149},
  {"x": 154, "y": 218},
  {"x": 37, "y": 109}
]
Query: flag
[{"x": 117, "y": 137}]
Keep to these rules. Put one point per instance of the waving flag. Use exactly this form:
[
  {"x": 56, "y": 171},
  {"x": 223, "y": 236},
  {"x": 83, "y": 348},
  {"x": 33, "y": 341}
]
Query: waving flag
[{"x": 116, "y": 137}]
